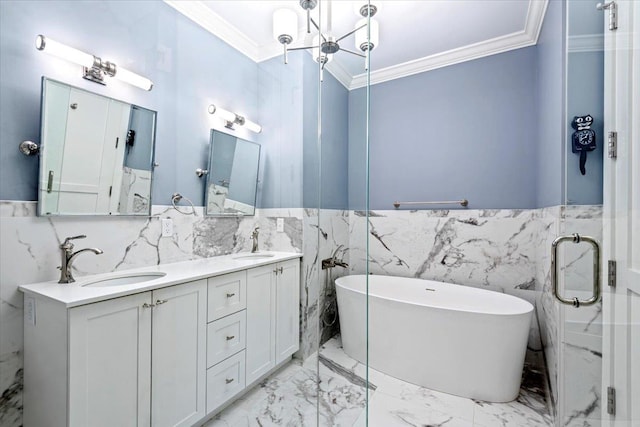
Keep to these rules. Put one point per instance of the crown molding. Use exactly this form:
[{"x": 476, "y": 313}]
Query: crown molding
[
  {"x": 199, "y": 13},
  {"x": 527, "y": 37},
  {"x": 338, "y": 71},
  {"x": 585, "y": 43}
]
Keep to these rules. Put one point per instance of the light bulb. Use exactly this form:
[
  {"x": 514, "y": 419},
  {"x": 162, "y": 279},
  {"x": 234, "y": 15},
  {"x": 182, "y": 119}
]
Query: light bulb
[
  {"x": 253, "y": 127},
  {"x": 63, "y": 51},
  {"x": 133, "y": 78},
  {"x": 285, "y": 26},
  {"x": 361, "y": 35},
  {"x": 222, "y": 113}
]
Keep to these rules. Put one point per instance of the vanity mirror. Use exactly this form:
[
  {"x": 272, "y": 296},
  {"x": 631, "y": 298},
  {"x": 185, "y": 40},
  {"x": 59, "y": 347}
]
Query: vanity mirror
[
  {"x": 96, "y": 154},
  {"x": 232, "y": 175}
]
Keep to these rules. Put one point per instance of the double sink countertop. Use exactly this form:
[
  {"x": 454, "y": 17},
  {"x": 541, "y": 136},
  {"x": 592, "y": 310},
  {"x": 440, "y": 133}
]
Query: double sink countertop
[{"x": 100, "y": 287}]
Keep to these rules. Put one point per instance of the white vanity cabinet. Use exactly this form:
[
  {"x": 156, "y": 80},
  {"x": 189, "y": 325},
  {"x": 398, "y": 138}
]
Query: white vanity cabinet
[
  {"x": 273, "y": 295},
  {"x": 169, "y": 354},
  {"x": 137, "y": 360}
]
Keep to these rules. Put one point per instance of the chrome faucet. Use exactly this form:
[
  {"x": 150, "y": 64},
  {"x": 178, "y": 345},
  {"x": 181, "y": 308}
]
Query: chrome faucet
[
  {"x": 68, "y": 256},
  {"x": 254, "y": 236},
  {"x": 334, "y": 261}
]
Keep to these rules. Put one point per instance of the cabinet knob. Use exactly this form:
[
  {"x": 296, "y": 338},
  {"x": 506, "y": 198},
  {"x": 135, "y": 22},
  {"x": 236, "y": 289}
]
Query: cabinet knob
[
  {"x": 229, "y": 380},
  {"x": 230, "y": 295},
  {"x": 147, "y": 305},
  {"x": 161, "y": 301},
  {"x": 230, "y": 337}
]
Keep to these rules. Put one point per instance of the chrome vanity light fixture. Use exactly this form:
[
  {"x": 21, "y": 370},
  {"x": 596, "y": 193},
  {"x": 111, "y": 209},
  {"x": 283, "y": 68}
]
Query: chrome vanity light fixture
[
  {"x": 94, "y": 68},
  {"x": 285, "y": 25},
  {"x": 234, "y": 119}
]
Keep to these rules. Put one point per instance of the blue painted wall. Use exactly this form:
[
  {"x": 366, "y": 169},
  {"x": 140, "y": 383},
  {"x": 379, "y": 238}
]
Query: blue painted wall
[
  {"x": 328, "y": 162},
  {"x": 190, "y": 69},
  {"x": 463, "y": 131},
  {"x": 334, "y": 143},
  {"x": 280, "y": 100},
  {"x": 550, "y": 152},
  {"x": 585, "y": 95}
]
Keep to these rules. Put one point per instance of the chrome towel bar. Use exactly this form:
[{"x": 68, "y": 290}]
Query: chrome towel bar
[
  {"x": 463, "y": 202},
  {"x": 576, "y": 238}
]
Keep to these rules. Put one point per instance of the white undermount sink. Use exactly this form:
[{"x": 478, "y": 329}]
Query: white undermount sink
[
  {"x": 254, "y": 256},
  {"x": 128, "y": 279}
]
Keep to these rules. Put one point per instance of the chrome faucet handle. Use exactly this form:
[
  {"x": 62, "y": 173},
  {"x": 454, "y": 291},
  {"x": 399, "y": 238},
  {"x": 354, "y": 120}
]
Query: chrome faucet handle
[{"x": 67, "y": 242}]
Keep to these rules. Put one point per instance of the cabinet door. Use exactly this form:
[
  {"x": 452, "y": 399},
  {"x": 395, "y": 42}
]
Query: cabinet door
[
  {"x": 260, "y": 322},
  {"x": 110, "y": 363},
  {"x": 287, "y": 309},
  {"x": 179, "y": 354}
]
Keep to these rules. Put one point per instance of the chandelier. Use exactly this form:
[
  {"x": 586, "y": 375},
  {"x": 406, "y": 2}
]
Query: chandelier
[{"x": 325, "y": 44}]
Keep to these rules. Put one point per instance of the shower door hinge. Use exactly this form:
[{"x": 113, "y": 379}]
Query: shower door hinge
[
  {"x": 612, "y": 7},
  {"x": 611, "y": 400},
  {"x": 611, "y": 274},
  {"x": 613, "y": 144}
]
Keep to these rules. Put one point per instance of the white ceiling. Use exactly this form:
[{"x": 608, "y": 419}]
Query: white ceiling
[{"x": 415, "y": 36}]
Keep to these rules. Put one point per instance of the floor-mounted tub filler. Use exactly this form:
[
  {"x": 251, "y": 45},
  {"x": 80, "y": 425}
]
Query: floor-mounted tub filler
[{"x": 461, "y": 340}]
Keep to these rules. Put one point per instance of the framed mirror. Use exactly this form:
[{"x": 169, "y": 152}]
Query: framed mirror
[
  {"x": 233, "y": 175},
  {"x": 96, "y": 154}
]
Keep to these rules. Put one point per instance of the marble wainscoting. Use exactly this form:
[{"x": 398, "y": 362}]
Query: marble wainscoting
[
  {"x": 29, "y": 253},
  {"x": 548, "y": 310},
  {"x": 571, "y": 337},
  {"x": 490, "y": 249},
  {"x": 483, "y": 248},
  {"x": 581, "y": 358},
  {"x": 325, "y": 231}
]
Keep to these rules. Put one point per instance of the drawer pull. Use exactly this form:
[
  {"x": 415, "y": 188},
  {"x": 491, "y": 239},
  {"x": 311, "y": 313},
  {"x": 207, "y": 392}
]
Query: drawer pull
[
  {"x": 161, "y": 301},
  {"x": 147, "y": 305},
  {"x": 230, "y": 295},
  {"x": 229, "y": 380},
  {"x": 230, "y": 337}
]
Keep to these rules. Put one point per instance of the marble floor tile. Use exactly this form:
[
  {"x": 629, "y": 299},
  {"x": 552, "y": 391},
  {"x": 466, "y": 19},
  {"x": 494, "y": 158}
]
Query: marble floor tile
[
  {"x": 288, "y": 398},
  {"x": 389, "y": 411}
]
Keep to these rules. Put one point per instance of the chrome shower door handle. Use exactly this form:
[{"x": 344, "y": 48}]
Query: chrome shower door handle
[{"x": 576, "y": 238}]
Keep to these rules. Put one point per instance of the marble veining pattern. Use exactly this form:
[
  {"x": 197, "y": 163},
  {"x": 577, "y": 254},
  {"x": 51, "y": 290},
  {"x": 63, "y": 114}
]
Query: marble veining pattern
[
  {"x": 505, "y": 250},
  {"x": 483, "y": 248},
  {"x": 29, "y": 249},
  {"x": 392, "y": 403}
]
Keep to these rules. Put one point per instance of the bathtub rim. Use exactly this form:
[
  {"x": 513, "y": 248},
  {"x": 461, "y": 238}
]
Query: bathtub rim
[{"x": 520, "y": 301}]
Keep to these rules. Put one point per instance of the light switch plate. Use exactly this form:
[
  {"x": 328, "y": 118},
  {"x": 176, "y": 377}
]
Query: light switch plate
[
  {"x": 280, "y": 225},
  {"x": 167, "y": 227}
]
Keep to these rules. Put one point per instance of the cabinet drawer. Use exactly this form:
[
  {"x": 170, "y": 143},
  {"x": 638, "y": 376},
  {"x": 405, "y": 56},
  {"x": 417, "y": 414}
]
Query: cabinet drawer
[
  {"x": 226, "y": 295},
  {"x": 225, "y": 337},
  {"x": 225, "y": 380}
]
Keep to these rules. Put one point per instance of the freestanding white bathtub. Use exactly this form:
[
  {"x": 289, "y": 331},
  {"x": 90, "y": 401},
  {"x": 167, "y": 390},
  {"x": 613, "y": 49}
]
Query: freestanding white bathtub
[{"x": 457, "y": 339}]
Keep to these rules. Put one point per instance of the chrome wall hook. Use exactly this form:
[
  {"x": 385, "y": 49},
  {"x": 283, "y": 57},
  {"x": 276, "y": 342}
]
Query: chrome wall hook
[{"x": 29, "y": 148}]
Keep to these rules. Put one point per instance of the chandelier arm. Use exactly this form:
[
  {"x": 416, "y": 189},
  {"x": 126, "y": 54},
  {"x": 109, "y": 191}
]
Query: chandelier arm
[
  {"x": 351, "y": 32},
  {"x": 318, "y": 28},
  {"x": 303, "y": 47},
  {"x": 351, "y": 52}
]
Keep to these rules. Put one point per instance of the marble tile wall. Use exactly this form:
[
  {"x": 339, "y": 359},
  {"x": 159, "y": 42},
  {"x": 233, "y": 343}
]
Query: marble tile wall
[
  {"x": 29, "y": 253},
  {"x": 572, "y": 337},
  {"x": 483, "y": 248},
  {"x": 581, "y": 356},
  {"x": 548, "y": 310},
  {"x": 503, "y": 250}
]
